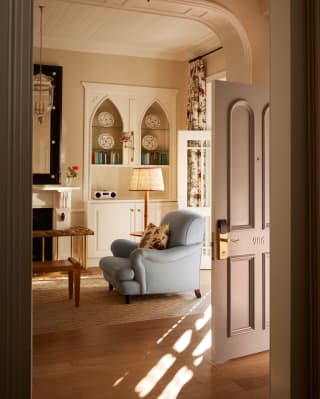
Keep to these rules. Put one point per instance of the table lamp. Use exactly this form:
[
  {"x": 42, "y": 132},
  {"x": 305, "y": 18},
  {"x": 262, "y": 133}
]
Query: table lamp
[{"x": 146, "y": 179}]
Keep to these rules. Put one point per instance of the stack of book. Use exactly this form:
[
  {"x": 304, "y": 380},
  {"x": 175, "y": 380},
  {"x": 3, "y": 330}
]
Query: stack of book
[
  {"x": 106, "y": 157},
  {"x": 154, "y": 158}
]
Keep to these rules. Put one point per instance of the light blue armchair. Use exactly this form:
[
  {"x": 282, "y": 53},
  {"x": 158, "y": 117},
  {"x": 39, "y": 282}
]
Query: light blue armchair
[{"x": 138, "y": 271}]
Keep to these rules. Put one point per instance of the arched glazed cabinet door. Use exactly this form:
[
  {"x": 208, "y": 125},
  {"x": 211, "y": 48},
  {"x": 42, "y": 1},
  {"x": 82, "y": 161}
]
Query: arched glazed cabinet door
[
  {"x": 155, "y": 136},
  {"x": 107, "y": 129}
]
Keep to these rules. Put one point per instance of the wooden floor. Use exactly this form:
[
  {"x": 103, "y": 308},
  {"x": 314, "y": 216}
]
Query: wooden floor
[{"x": 163, "y": 359}]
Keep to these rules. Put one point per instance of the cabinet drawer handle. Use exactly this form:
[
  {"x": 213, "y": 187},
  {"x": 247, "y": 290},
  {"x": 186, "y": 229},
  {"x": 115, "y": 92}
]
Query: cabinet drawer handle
[
  {"x": 131, "y": 210},
  {"x": 139, "y": 210}
]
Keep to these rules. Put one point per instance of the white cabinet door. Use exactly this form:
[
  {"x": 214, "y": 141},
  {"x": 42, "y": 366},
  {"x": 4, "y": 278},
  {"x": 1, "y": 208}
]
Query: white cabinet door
[
  {"x": 138, "y": 219},
  {"x": 109, "y": 222}
]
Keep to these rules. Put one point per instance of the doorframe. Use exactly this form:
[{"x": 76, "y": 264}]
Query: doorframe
[
  {"x": 16, "y": 197},
  {"x": 286, "y": 189},
  {"x": 295, "y": 200}
]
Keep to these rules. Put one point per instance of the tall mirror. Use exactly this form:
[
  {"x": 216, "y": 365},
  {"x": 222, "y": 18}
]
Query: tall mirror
[{"x": 47, "y": 132}]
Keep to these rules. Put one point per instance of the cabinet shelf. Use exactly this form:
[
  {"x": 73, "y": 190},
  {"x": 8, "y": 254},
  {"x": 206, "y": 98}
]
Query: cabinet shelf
[
  {"x": 145, "y": 129},
  {"x": 106, "y": 127},
  {"x": 97, "y": 165}
]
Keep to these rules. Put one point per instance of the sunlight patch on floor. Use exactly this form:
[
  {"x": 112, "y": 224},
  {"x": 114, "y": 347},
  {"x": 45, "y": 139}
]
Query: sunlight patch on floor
[
  {"x": 200, "y": 323},
  {"x": 119, "y": 380},
  {"x": 199, "y": 302},
  {"x": 204, "y": 345},
  {"x": 172, "y": 390},
  {"x": 198, "y": 361},
  {"x": 183, "y": 342},
  {"x": 146, "y": 385}
]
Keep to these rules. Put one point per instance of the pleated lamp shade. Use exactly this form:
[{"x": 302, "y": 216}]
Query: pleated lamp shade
[{"x": 146, "y": 179}]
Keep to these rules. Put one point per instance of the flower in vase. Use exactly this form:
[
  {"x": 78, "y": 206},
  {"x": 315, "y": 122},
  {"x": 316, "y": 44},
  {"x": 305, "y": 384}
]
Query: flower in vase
[{"x": 72, "y": 171}]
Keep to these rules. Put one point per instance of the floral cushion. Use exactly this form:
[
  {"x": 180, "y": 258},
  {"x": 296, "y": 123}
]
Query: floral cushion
[{"x": 155, "y": 237}]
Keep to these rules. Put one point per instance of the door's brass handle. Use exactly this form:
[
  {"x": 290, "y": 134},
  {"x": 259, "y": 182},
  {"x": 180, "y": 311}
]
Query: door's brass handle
[{"x": 229, "y": 240}]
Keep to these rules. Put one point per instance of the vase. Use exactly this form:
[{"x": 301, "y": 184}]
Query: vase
[{"x": 69, "y": 181}]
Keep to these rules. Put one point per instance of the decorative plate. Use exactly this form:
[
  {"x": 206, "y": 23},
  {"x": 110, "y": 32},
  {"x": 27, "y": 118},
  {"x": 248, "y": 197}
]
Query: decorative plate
[
  {"x": 149, "y": 142},
  {"x": 105, "y": 119},
  {"x": 152, "y": 121},
  {"x": 105, "y": 141}
]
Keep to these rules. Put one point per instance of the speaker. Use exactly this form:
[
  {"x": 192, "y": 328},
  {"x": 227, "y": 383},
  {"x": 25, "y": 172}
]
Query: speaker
[{"x": 102, "y": 195}]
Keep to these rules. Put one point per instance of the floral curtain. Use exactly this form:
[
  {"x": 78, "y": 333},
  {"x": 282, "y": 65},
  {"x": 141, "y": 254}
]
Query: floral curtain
[
  {"x": 196, "y": 114},
  {"x": 198, "y": 164},
  {"x": 196, "y": 108}
]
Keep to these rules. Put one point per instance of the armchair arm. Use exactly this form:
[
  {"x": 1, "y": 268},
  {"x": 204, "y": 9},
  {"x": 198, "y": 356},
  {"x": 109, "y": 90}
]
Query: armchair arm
[
  {"x": 142, "y": 259},
  {"x": 123, "y": 248}
]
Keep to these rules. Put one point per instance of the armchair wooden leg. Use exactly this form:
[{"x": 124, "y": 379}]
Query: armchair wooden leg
[
  {"x": 197, "y": 293},
  {"x": 70, "y": 283},
  {"x": 127, "y": 299},
  {"x": 110, "y": 287}
]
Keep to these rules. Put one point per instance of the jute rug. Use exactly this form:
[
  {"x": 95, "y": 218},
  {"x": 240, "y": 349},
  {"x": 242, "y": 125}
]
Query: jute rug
[{"x": 53, "y": 311}]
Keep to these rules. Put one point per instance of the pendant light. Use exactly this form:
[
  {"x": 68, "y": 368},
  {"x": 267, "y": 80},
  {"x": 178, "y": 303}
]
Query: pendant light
[{"x": 42, "y": 85}]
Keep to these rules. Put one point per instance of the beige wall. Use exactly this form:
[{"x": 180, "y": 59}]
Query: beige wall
[
  {"x": 78, "y": 67},
  {"x": 253, "y": 16},
  {"x": 215, "y": 62}
]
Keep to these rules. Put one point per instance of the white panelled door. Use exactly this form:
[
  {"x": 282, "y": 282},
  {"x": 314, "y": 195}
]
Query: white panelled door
[{"x": 241, "y": 220}]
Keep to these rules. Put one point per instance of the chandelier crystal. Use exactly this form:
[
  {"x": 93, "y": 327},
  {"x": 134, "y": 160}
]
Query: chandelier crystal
[{"x": 42, "y": 85}]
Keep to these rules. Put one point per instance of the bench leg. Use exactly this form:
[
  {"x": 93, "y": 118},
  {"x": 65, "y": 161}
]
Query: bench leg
[
  {"x": 127, "y": 299},
  {"x": 197, "y": 293},
  {"x": 77, "y": 286},
  {"x": 110, "y": 287},
  {"x": 70, "y": 283}
]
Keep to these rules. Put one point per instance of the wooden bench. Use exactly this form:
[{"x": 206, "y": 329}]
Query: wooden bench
[{"x": 70, "y": 265}]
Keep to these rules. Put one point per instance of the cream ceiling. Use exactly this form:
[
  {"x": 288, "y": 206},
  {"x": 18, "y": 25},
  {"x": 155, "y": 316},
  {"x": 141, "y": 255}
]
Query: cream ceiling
[{"x": 158, "y": 29}]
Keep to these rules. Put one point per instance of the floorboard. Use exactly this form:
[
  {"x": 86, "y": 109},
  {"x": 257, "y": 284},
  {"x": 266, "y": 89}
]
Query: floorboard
[{"x": 163, "y": 359}]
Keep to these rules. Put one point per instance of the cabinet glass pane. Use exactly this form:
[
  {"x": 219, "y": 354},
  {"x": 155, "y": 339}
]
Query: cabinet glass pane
[
  {"x": 198, "y": 172},
  {"x": 107, "y": 132},
  {"x": 155, "y": 137}
]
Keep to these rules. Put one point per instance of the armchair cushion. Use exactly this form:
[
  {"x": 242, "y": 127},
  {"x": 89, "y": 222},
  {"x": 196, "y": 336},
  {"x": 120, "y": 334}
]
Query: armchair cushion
[{"x": 155, "y": 237}]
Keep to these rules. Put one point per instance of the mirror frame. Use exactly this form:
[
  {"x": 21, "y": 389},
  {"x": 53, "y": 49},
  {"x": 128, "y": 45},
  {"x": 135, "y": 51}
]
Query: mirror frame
[{"x": 53, "y": 177}]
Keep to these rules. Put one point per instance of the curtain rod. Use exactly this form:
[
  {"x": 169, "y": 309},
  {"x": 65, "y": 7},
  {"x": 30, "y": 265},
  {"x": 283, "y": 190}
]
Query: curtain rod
[{"x": 204, "y": 55}]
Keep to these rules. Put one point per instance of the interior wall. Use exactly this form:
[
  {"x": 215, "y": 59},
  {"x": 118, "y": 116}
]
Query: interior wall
[
  {"x": 79, "y": 67},
  {"x": 253, "y": 15},
  {"x": 215, "y": 62}
]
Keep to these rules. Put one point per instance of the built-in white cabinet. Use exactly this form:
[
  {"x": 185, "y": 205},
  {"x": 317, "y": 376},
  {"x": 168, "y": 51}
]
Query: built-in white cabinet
[
  {"x": 126, "y": 127},
  {"x": 117, "y": 219}
]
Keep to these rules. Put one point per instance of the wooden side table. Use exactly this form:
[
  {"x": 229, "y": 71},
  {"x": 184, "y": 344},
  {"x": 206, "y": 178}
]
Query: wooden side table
[
  {"x": 137, "y": 233},
  {"x": 71, "y": 265},
  {"x": 78, "y": 237}
]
